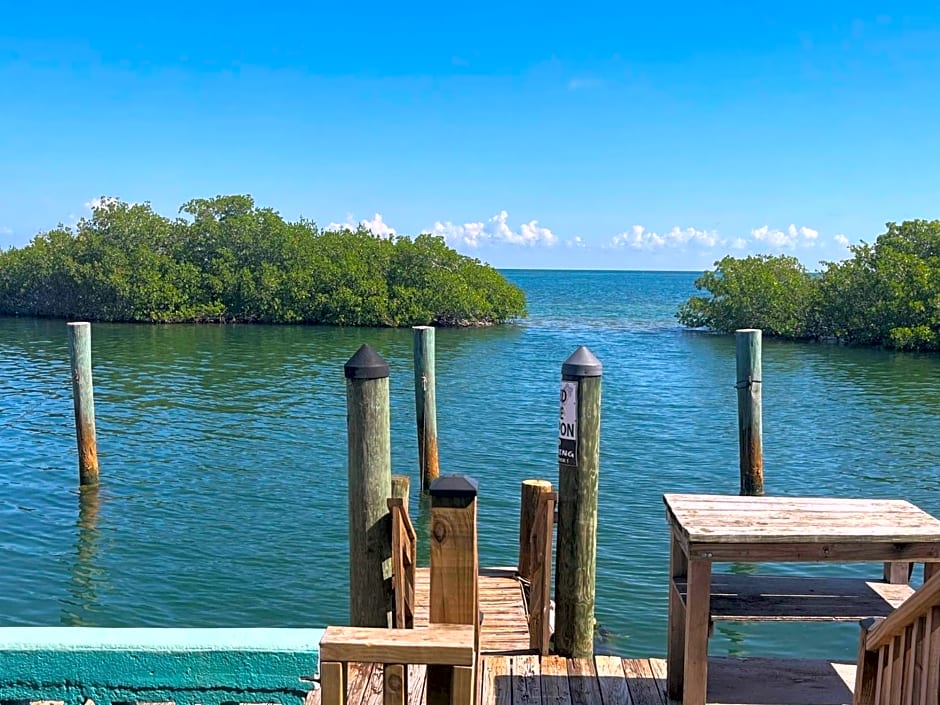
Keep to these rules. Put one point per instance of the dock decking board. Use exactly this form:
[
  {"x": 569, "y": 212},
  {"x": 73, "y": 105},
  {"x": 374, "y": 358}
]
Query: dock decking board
[
  {"x": 511, "y": 674},
  {"x": 527, "y": 679}
]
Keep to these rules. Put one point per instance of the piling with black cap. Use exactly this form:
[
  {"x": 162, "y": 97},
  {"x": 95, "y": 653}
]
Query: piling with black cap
[
  {"x": 370, "y": 486},
  {"x": 578, "y": 464},
  {"x": 750, "y": 427},
  {"x": 454, "y": 575}
]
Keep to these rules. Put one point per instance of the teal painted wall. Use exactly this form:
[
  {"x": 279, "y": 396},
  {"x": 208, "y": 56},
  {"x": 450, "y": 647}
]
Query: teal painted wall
[{"x": 209, "y": 666}]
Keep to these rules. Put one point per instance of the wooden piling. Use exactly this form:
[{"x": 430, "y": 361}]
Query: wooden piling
[
  {"x": 532, "y": 491},
  {"x": 454, "y": 594},
  {"x": 578, "y": 466},
  {"x": 84, "y": 401},
  {"x": 425, "y": 405},
  {"x": 750, "y": 432},
  {"x": 370, "y": 485}
]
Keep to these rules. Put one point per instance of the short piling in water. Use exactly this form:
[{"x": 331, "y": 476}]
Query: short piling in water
[
  {"x": 370, "y": 485},
  {"x": 578, "y": 467},
  {"x": 84, "y": 400},
  {"x": 425, "y": 405},
  {"x": 750, "y": 431}
]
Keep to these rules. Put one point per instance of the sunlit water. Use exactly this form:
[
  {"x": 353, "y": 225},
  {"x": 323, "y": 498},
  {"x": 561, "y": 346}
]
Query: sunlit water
[{"x": 223, "y": 456}]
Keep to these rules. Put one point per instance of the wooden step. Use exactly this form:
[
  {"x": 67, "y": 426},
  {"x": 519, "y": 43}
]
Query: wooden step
[{"x": 772, "y": 598}]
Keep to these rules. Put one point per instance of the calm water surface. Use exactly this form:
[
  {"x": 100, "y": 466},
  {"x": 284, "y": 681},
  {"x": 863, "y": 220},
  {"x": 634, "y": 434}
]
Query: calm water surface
[{"x": 223, "y": 456}]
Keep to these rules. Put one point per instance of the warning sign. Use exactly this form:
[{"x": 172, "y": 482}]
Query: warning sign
[{"x": 568, "y": 424}]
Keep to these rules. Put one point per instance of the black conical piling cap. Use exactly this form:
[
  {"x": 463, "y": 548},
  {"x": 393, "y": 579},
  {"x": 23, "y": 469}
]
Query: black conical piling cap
[
  {"x": 454, "y": 486},
  {"x": 366, "y": 364},
  {"x": 582, "y": 363}
]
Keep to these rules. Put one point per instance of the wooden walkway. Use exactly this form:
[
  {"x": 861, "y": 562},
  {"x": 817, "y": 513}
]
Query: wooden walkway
[{"x": 511, "y": 674}]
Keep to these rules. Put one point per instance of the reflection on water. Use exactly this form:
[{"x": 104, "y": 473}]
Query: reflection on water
[
  {"x": 86, "y": 574},
  {"x": 223, "y": 455}
]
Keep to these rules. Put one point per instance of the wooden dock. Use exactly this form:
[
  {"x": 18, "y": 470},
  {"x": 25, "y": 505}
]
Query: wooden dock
[{"x": 512, "y": 674}]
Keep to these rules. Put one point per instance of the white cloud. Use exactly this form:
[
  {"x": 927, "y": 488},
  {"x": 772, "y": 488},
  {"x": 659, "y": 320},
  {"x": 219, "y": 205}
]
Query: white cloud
[
  {"x": 739, "y": 243},
  {"x": 576, "y": 241},
  {"x": 639, "y": 238},
  {"x": 495, "y": 230},
  {"x": 377, "y": 226},
  {"x": 789, "y": 238},
  {"x": 841, "y": 239}
]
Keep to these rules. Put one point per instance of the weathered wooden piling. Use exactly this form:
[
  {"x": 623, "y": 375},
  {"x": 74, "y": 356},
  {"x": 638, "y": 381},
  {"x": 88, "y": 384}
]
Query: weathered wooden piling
[
  {"x": 370, "y": 485},
  {"x": 750, "y": 433},
  {"x": 425, "y": 405},
  {"x": 578, "y": 466},
  {"x": 532, "y": 491},
  {"x": 454, "y": 594},
  {"x": 84, "y": 400}
]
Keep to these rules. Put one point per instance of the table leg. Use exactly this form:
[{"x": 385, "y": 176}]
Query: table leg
[
  {"x": 898, "y": 572},
  {"x": 675, "y": 645},
  {"x": 698, "y": 598}
]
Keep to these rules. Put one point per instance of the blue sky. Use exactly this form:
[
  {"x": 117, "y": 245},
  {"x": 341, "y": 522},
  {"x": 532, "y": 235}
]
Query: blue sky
[{"x": 587, "y": 135}]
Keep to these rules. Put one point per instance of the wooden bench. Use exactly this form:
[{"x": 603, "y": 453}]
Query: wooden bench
[
  {"x": 448, "y": 645},
  {"x": 761, "y": 598}
]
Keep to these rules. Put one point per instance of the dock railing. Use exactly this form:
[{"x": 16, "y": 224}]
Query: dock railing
[
  {"x": 436, "y": 645},
  {"x": 404, "y": 560},
  {"x": 899, "y": 655}
]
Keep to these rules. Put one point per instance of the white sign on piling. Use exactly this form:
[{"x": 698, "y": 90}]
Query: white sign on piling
[{"x": 568, "y": 424}]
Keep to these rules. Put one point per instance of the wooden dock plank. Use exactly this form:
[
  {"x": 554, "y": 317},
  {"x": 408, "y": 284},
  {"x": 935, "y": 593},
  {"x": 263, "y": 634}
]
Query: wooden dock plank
[
  {"x": 582, "y": 682},
  {"x": 611, "y": 681},
  {"x": 746, "y": 598},
  {"x": 505, "y": 625},
  {"x": 554, "y": 681},
  {"x": 759, "y": 681},
  {"x": 642, "y": 682},
  {"x": 417, "y": 679},
  {"x": 526, "y": 683}
]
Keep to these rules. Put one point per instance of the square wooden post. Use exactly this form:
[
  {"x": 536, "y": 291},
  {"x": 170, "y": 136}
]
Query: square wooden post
[{"x": 454, "y": 577}]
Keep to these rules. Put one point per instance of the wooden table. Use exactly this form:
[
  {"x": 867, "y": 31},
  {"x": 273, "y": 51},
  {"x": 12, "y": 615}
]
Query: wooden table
[{"x": 710, "y": 528}]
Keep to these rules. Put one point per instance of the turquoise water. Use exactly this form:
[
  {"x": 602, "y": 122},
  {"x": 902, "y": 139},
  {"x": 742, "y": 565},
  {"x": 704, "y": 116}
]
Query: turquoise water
[{"x": 223, "y": 455}]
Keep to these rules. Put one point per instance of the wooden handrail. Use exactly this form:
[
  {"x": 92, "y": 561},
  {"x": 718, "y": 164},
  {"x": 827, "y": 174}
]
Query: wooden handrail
[
  {"x": 540, "y": 548},
  {"x": 436, "y": 645},
  {"x": 900, "y": 619},
  {"x": 404, "y": 560},
  {"x": 899, "y": 656}
]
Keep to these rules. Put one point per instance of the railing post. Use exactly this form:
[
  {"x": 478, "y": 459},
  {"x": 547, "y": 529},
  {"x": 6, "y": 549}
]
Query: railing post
[
  {"x": 578, "y": 466},
  {"x": 370, "y": 484},
  {"x": 454, "y": 575},
  {"x": 532, "y": 491},
  {"x": 425, "y": 405},
  {"x": 750, "y": 432},
  {"x": 84, "y": 400}
]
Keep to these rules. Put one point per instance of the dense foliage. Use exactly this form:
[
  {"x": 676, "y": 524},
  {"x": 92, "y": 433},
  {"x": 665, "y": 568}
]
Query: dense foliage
[
  {"x": 886, "y": 294},
  {"x": 231, "y": 261}
]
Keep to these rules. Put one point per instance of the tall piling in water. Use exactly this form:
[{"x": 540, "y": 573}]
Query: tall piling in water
[
  {"x": 750, "y": 431},
  {"x": 578, "y": 467},
  {"x": 84, "y": 401},
  {"x": 425, "y": 405},
  {"x": 370, "y": 486}
]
